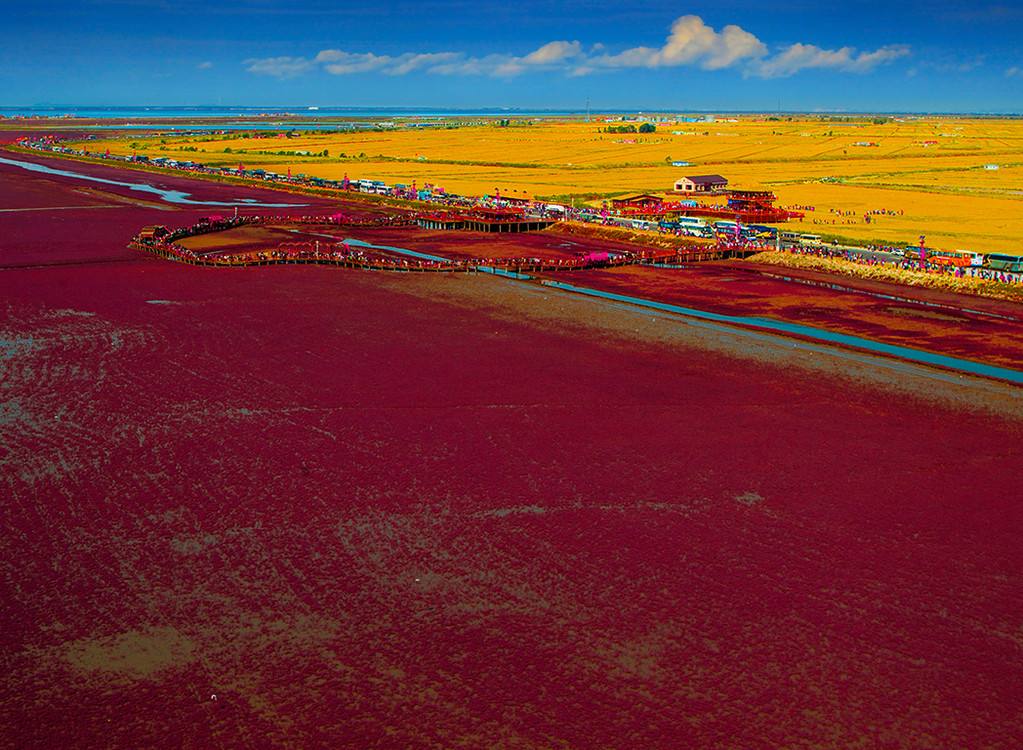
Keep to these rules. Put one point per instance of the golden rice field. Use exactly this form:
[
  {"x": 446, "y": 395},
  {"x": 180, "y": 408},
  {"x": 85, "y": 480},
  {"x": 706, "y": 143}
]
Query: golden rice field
[{"x": 927, "y": 173}]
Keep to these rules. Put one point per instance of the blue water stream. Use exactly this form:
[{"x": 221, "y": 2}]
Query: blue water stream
[
  {"x": 817, "y": 334},
  {"x": 767, "y": 324},
  {"x": 171, "y": 196}
]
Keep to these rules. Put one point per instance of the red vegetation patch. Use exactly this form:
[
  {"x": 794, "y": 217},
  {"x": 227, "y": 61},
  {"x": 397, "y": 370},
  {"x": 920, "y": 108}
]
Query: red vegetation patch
[
  {"x": 993, "y": 334},
  {"x": 453, "y": 244},
  {"x": 83, "y": 221},
  {"x": 369, "y": 510}
]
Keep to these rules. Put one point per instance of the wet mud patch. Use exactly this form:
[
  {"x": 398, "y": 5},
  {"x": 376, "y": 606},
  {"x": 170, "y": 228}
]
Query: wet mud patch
[
  {"x": 641, "y": 656},
  {"x": 133, "y": 655},
  {"x": 11, "y": 412},
  {"x": 912, "y": 312},
  {"x": 15, "y": 346},
  {"x": 518, "y": 510},
  {"x": 53, "y": 362},
  {"x": 193, "y": 544},
  {"x": 67, "y": 312},
  {"x": 749, "y": 499}
]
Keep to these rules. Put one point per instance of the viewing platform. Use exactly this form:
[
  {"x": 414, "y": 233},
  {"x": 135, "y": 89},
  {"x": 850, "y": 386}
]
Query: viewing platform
[{"x": 484, "y": 220}]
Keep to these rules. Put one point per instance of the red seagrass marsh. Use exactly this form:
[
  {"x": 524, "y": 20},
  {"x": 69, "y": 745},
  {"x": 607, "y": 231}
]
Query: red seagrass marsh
[{"x": 301, "y": 506}]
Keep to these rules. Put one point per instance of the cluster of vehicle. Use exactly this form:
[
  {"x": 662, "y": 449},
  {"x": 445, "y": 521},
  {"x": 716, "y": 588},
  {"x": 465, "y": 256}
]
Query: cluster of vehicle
[
  {"x": 951, "y": 258},
  {"x": 371, "y": 187},
  {"x": 790, "y": 239},
  {"x": 968, "y": 259},
  {"x": 688, "y": 226}
]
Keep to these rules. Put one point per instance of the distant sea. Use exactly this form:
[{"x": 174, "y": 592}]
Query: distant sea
[
  {"x": 270, "y": 118},
  {"x": 134, "y": 113},
  {"x": 138, "y": 115}
]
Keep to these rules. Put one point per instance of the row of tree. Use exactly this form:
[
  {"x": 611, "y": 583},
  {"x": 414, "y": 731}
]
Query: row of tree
[{"x": 646, "y": 127}]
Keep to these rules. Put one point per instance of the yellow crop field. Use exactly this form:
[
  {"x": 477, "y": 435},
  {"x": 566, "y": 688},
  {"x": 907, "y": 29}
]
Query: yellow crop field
[{"x": 957, "y": 181}]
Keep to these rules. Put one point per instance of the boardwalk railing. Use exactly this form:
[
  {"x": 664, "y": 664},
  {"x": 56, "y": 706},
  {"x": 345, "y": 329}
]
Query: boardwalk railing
[{"x": 163, "y": 243}]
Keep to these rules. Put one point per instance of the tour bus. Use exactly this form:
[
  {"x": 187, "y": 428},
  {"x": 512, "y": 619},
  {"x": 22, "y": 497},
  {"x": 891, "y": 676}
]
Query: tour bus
[
  {"x": 668, "y": 226},
  {"x": 589, "y": 216},
  {"x": 809, "y": 239},
  {"x": 763, "y": 229},
  {"x": 960, "y": 258},
  {"x": 1007, "y": 263},
  {"x": 642, "y": 224},
  {"x": 727, "y": 228},
  {"x": 691, "y": 221},
  {"x": 695, "y": 231}
]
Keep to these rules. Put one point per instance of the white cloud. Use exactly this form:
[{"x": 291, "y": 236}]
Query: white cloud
[
  {"x": 553, "y": 52},
  {"x": 340, "y": 63},
  {"x": 799, "y": 57},
  {"x": 694, "y": 42},
  {"x": 867, "y": 61},
  {"x": 411, "y": 62},
  {"x": 204, "y": 65},
  {"x": 1014, "y": 72},
  {"x": 279, "y": 67},
  {"x": 509, "y": 68},
  {"x": 960, "y": 66},
  {"x": 492, "y": 65},
  {"x": 690, "y": 42}
]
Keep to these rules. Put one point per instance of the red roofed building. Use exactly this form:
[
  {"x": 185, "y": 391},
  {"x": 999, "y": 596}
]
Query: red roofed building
[
  {"x": 643, "y": 200},
  {"x": 701, "y": 183}
]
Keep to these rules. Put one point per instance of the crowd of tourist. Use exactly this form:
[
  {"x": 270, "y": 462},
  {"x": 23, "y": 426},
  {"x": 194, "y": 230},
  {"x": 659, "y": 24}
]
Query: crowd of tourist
[
  {"x": 342, "y": 253},
  {"x": 844, "y": 217},
  {"x": 746, "y": 238},
  {"x": 880, "y": 255}
]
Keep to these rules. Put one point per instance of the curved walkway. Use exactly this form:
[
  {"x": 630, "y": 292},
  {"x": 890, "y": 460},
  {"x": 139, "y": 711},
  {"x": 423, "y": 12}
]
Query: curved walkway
[{"x": 422, "y": 262}]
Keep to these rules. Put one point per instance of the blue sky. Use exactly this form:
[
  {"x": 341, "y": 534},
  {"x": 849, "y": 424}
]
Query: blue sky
[{"x": 911, "y": 55}]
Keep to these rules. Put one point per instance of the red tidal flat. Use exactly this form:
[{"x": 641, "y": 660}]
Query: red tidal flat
[
  {"x": 72, "y": 220},
  {"x": 978, "y": 329},
  {"x": 377, "y": 510}
]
